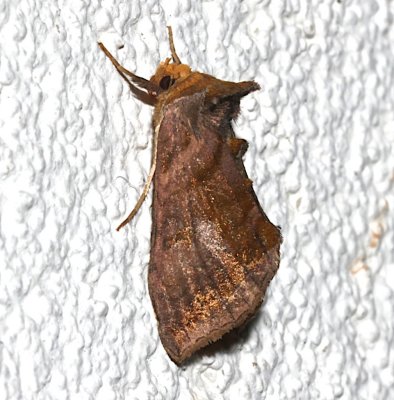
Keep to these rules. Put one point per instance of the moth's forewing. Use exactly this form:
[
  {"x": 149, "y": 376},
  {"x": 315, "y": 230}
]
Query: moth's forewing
[{"x": 213, "y": 250}]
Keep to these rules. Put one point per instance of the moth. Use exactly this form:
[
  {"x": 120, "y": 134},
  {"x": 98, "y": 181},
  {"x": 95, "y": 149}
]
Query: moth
[{"x": 213, "y": 249}]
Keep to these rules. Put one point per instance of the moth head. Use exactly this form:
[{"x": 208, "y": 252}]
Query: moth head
[{"x": 168, "y": 73}]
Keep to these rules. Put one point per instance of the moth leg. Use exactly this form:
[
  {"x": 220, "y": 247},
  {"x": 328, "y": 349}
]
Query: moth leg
[
  {"x": 148, "y": 182},
  {"x": 237, "y": 146}
]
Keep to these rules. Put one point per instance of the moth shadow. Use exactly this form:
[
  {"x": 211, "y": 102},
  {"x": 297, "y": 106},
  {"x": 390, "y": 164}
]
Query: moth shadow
[{"x": 229, "y": 343}]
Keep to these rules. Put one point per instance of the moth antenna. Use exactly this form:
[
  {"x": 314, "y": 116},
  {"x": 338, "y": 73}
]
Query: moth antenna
[
  {"x": 175, "y": 57},
  {"x": 147, "y": 183},
  {"x": 142, "y": 82}
]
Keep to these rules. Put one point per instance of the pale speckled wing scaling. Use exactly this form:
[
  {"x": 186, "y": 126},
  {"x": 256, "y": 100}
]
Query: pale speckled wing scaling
[{"x": 213, "y": 251}]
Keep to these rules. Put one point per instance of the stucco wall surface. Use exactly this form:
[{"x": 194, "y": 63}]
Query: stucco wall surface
[{"x": 76, "y": 320}]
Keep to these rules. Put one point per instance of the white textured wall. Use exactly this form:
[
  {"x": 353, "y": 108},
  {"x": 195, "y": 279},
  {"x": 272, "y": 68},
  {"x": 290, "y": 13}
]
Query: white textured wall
[{"x": 75, "y": 316}]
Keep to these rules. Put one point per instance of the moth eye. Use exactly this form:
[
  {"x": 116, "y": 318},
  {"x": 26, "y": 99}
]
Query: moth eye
[{"x": 166, "y": 82}]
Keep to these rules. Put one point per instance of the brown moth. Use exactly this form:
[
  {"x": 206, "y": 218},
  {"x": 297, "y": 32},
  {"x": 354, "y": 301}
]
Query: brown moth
[{"x": 213, "y": 249}]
